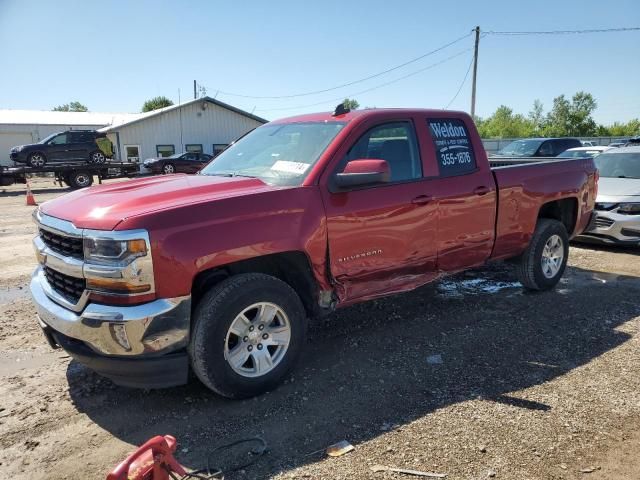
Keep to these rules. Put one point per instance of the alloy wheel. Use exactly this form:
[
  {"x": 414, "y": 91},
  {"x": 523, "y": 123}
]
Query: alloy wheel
[{"x": 257, "y": 339}]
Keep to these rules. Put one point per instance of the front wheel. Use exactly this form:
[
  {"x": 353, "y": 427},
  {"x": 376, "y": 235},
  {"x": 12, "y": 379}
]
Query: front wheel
[
  {"x": 168, "y": 168},
  {"x": 247, "y": 335},
  {"x": 545, "y": 259},
  {"x": 36, "y": 159}
]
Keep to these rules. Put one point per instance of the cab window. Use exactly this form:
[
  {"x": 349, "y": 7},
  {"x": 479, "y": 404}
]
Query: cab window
[
  {"x": 452, "y": 143},
  {"x": 394, "y": 142},
  {"x": 59, "y": 139}
]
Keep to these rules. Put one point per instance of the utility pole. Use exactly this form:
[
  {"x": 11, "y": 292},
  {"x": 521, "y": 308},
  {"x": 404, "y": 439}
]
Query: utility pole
[
  {"x": 194, "y": 82},
  {"x": 475, "y": 72}
]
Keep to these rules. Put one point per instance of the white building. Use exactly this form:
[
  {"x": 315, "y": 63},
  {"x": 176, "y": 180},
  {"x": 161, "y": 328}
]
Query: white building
[{"x": 205, "y": 125}]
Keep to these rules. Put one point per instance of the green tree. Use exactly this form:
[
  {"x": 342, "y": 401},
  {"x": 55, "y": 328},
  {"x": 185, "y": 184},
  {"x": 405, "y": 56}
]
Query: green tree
[
  {"x": 505, "y": 124},
  {"x": 618, "y": 129},
  {"x": 536, "y": 117},
  {"x": 156, "y": 103},
  {"x": 351, "y": 103},
  {"x": 571, "y": 118},
  {"x": 70, "y": 107}
]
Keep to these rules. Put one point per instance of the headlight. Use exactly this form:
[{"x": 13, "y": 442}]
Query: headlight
[
  {"x": 104, "y": 251},
  {"x": 629, "y": 208},
  {"x": 118, "y": 262}
]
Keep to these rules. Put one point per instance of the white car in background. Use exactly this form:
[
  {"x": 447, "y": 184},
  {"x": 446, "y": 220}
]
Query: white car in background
[
  {"x": 588, "y": 143},
  {"x": 617, "y": 213},
  {"x": 584, "y": 152}
]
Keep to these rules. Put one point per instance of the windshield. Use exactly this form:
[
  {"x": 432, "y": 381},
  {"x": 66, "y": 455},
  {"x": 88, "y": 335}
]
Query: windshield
[
  {"x": 278, "y": 154},
  {"x": 521, "y": 148},
  {"x": 46, "y": 139},
  {"x": 579, "y": 153},
  {"x": 619, "y": 165},
  {"x": 175, "y": 155}
]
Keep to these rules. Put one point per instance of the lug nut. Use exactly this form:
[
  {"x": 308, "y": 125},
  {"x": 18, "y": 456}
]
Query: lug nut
[
  {"x": 261, "y": 327},
  {"x": 245, "y": 339},
  {"x": 251, "y": 328},
  {"x": 259, "y": 346},
  {"x": 265, "y": 335},
  {"x": 250, "y": 347}
]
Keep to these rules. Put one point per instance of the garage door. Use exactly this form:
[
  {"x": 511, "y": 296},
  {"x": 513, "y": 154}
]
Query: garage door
[{"x": 8, "y": 140}]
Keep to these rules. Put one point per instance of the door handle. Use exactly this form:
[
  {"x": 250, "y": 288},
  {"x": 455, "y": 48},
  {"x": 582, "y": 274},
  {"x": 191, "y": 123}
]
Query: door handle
[
  {"x": 422, "y": 199},
  {"x": 482, "y": 190}
]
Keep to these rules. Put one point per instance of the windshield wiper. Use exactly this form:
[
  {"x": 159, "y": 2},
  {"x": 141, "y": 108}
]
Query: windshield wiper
[{"x": 229, "y": 174}]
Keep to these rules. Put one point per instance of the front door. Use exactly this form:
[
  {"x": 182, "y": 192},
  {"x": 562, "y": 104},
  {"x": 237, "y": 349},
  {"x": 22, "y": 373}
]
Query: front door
[{"x": 382, "y": 238}]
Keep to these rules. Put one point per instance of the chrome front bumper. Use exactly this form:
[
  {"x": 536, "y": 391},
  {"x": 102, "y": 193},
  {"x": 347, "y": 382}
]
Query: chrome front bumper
[
  {"x": 613, "y": 228},
  {"x": 149, "y": 329}
]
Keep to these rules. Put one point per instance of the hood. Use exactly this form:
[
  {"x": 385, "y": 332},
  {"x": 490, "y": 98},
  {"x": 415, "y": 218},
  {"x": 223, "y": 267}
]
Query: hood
[
  {"x": 103, "y": 207},
  {"x": 614, "y": 190}
]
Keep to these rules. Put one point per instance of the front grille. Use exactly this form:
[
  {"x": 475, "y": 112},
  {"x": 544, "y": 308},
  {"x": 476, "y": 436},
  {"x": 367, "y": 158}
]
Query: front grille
[
  {"x": 603, "y": 222},
  {"x": 68, "y": 246},
  {"x": 70, "y": 288}
]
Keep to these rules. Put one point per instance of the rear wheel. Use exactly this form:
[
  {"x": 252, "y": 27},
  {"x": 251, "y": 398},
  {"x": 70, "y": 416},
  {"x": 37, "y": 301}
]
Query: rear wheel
[
  {"x": 248, "y": 333},
  {"x": 97, "y": 157},
  {"x": 168, "y": 168},
  {"x": 545, "y": 259},
  {"x": 37, "y": 159},
  {"x": 80, "y": 179}
]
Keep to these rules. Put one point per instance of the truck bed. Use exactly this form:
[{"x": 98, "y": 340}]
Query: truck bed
[
  {"x": 522, "y": 182},
  {"x": 501, "y": 162}
]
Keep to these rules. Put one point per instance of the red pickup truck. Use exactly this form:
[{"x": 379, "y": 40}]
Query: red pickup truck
[{"x": 218, "y": 273}]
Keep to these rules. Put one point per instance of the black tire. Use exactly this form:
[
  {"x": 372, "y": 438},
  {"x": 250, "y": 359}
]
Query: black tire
[
  {"x": 37, "y": 159},
  {"x": 97, "y": 157},
  {"x": 213, "y": 318},
  {"x": 168, "y": 169},
  {"x": 80, "y": 179},
  {"x": 530, "y": 268}
]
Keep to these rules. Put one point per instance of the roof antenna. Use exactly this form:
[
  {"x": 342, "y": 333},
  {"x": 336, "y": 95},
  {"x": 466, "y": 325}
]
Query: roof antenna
[{"x": 341, "y": 110}]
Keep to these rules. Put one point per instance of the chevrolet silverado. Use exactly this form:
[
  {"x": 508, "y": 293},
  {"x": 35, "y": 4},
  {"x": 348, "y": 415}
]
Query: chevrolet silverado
[{"x": 219, "y": 273}]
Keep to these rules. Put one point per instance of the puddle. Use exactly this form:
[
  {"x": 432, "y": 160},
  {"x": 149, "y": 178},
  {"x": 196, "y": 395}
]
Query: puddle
[
  {"x": 474, "y": 286},
  {"x": 9, "y": 294}
]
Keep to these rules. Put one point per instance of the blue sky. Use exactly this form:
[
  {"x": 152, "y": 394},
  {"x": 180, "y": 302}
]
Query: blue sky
[{"x": 113, "y": 55}]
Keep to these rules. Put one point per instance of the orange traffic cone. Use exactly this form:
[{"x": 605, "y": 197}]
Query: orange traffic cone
[{"x": 30, "y": 198}]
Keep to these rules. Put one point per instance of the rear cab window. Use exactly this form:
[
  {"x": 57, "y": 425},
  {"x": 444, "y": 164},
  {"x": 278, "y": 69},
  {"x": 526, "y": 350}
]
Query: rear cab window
[{"x": 452, "y": 143}]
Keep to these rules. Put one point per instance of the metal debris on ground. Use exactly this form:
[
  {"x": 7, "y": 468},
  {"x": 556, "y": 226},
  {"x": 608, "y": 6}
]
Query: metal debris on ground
[
  {"x": 416, "y": 473},
  {"x": 339, "y": 449}
]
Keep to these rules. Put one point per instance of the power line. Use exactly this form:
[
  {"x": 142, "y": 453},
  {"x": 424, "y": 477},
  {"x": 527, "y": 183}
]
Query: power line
[
  {"x": 464, "y": 80},
  {"x": 565, "y": 32},
  {"x": 375, "y": 75},
  {"x": 342, "y": 97}
]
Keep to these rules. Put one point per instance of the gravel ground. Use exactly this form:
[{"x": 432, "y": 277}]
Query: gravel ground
[{"x": 469, "y": 377}]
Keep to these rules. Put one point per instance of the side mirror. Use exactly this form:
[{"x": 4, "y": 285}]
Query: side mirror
[{"x": 363, "y": 172}]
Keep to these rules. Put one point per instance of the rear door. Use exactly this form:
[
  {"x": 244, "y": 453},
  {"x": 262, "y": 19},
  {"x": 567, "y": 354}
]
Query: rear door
[
  {"x": 465, "y": 192},
  {"x": 382, "y": 238},
  {"x": 77, "y": 146}
]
